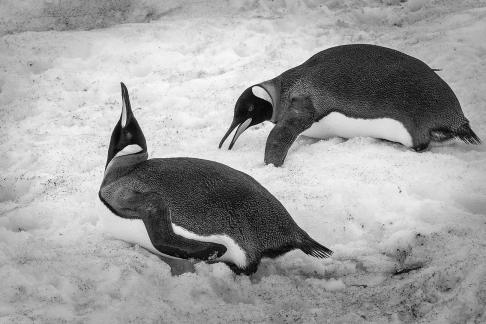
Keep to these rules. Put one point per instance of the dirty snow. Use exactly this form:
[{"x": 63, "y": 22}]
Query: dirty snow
[
  {"x": 408, "y": 230},
  {"x": 40, "y": 15}
]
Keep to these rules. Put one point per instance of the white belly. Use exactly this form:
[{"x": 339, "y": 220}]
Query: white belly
[
  {"x": 337, "y": 124},
  {"x": 128, "y": 230},
  {"x": 134, "y": 231}
]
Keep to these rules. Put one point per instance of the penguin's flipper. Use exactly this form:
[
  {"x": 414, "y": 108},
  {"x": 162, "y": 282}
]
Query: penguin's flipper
[
  {"x": 298, "y": 117},
  {"x": 156, "y": 217}
]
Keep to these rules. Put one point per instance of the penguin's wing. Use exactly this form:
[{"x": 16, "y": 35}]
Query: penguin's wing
[
  {"x": 297, "y": 118},
  {"x": 156, "y": 217}
]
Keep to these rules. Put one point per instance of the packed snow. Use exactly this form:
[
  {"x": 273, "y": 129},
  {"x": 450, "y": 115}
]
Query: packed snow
[{"x": 408, "y": 230}]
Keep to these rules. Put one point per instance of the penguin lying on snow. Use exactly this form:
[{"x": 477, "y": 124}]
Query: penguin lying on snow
[
  {"x": 191, "y": 208},
  {"x": 353, "y": 90}
]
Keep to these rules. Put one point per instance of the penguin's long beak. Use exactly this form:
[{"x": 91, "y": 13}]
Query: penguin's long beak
[
  {"x": 241, "y": 128},
  {"x": 126, "y": 113}
]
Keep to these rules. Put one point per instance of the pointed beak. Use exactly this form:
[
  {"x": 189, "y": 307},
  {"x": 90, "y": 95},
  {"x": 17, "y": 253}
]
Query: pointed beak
[
  {"x": 241, "y": 128},
  {"x": 230, "y": 129},
  {"x": 126, "y": 108},
  {"x": 239, "y": 131}
]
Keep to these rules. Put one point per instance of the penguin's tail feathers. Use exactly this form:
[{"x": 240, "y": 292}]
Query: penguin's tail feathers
[
  {"x": 466, "y": 134},
  {"x": 311, "y": 247}
]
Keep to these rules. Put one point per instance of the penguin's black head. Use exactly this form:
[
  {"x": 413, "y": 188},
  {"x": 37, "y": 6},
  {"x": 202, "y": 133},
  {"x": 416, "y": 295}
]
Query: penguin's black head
[
  {"x": 252, "y": 108},
  {"x": 127, "y": 137}
]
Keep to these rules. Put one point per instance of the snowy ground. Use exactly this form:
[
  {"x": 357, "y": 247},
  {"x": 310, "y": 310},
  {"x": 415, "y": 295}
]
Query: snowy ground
[{"x": 383, "y": 209}]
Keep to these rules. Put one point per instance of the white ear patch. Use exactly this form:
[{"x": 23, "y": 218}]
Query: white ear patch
[
  {"x": 261, "y": 93},
  {"x": 124, "y": 115}
]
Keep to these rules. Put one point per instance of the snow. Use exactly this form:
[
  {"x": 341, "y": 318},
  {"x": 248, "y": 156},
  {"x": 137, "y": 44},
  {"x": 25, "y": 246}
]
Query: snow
[
  {"x": 40, "y": 15},
  {"x": 408, "y": 230}
]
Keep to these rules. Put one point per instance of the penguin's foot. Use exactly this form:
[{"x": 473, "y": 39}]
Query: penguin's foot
[
  {"x": 441, "y": 135},
  {"x": 178, "y": 266},
  {"x": 248, "y": 270},
  {"x": 205, "y": 251},
  {"x": 421, "y": 147},
  {"x": 215, "y": 255},
  {"x": 189, "y": 249}
]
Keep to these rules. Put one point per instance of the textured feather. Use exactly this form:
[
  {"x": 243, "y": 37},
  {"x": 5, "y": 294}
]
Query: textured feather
[
  {"x": 311, "y": 247},
  {"x": 466, "y": 134}
]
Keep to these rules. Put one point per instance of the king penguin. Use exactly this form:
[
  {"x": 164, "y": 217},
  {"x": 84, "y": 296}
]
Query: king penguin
[
  {"x": 190, "y": 208},
  {"x": 353, "y": 90}
]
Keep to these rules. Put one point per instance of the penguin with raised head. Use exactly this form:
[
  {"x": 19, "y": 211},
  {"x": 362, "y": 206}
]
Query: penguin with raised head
[
  {"x": 194, "y": 209},
  {"x": 349, "y": 91}
]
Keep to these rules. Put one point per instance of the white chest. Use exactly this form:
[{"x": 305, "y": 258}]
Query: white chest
[
  {"x": 337, "y": 124},
  {"x": 134, "y": 231}
]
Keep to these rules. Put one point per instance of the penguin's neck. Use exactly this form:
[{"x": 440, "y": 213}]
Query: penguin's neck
[{"x": 123, "y": 162}]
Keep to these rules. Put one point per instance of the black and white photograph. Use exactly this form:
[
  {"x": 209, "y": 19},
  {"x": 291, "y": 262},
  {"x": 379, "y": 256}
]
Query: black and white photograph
[{"x": 242, "y": 161}]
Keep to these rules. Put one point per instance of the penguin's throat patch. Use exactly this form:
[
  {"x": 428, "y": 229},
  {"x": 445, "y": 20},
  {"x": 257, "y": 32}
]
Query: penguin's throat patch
[{"x": 261, "y": 93}]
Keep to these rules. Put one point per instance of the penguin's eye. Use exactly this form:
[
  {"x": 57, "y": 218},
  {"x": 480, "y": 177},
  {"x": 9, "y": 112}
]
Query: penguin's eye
[{"x": 250, "y": 108}]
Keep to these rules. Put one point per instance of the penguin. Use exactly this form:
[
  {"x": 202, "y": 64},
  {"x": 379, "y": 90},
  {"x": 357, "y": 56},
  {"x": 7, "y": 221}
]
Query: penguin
[
  {"x": 353, "y": 90},
  {"x": 190, "y": 208}
]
